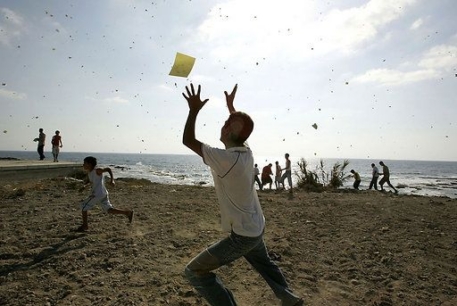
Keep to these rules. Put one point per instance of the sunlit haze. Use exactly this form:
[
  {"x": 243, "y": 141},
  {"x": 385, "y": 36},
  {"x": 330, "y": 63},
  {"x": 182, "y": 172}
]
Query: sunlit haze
[{"x": 377, "y": 79}]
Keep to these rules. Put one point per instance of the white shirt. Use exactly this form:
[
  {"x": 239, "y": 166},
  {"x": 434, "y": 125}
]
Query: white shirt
[
  {"x": 234, "y": 184},
  {"x": 98, "y": 184},
  {"x": 375, "y": 171},
  {"x": 256, "y": 171}
]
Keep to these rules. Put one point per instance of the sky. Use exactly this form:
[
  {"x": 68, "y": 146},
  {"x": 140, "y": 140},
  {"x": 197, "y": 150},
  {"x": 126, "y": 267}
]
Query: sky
[{"x": 321, "y": 79}]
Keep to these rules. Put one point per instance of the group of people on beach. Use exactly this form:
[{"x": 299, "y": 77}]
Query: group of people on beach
[
  {"x": 56, "y": 143},
  {"x": 375, "y": 174},
  {"x": 240, "y": 210},
  {"x": 241, "y": 214},
  {"x": 279, "y": 177}
]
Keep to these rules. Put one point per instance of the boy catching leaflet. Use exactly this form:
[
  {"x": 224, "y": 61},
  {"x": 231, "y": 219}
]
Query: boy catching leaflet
[
  {"x": 241, "y": 213},
  {"x": 98, "y": 194}
]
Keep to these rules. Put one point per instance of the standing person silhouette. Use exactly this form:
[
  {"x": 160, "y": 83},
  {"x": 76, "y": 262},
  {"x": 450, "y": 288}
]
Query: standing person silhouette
[
  {"x": 56, "y": 145},
  {"x": 278, "y": 173},
  {"x": 266, "y": 175},
  {"x": 385, "y": 177},
  {"x": 288, "y": 172},
  {"x": 256, "y": 176},
  {"x": 374, "y": 177},
  {"x": 41, "y": 139},
  {"x": 241, "y": 213}
]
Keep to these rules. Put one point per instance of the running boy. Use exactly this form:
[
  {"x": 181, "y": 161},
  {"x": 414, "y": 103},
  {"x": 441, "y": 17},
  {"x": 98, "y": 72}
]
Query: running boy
[
  {"x": 241, "y": 213},
  {"x": 99, "y": 194}
]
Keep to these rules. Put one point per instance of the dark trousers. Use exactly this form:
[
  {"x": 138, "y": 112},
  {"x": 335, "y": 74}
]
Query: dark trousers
[
  {"x": 357, "y": 184},
  {"x": 200, "y": 270},
  {"x": 40, "y": 151},
  {"x": 256, "y": 178},
  {"x": 374, "y": 182}
]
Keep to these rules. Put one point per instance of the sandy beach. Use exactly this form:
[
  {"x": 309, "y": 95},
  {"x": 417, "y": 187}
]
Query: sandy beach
[{"x": 336, "y": 248}]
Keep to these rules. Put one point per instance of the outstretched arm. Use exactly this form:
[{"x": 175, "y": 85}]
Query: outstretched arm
[
  {"x": 100, "y": 171},
  {"x": 195, "y": 105},
  {"x": 229, "y": 98}
]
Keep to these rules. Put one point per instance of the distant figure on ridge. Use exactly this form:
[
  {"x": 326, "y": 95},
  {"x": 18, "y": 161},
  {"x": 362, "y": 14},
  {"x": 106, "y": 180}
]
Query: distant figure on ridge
[
  {"x": 278, "y": 175},
  {"x": 98, "y": 194},
  {"x": 256, "y": 176},
  {"x": 288, "y": 172},
  {"x": 385, "y": 177},
  {"x": 56, "y": 145},
  {"x": 266, "y": 175},
  {"x": 374, "y": 178},
  {"x": 41, "y": 141},
  {"x": 240, "y": 211},
  {"x": 357, "y": 179}
]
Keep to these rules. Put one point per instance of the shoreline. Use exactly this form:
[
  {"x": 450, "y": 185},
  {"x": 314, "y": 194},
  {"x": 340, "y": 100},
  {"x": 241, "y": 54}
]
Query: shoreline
[
  {"x": 15, "y": 171},
  {"x": 434, "y": 179}
]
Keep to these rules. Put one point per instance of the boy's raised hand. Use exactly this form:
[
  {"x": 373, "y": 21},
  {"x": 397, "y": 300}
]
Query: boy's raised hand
[
  {"x": 229, "y": 98},
  {"x": 193, "y": 99}
]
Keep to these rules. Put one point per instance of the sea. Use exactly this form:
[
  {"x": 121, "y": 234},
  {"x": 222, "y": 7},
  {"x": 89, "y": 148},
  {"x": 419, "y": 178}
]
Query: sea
[{"x": 426, "y": 178}]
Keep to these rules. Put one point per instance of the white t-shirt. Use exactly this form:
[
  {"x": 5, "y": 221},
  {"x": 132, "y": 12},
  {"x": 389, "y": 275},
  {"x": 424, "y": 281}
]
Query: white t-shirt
[
  {"x": 234, "y": 184},
  {"x": 98, "y": 184},
  {"x": 256, "y": 171}
]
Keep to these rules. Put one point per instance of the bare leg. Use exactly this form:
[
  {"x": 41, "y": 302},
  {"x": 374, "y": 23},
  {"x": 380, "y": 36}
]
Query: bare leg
[
  {"x": 127, "y": 213},
  {"x": 84, "y": 227}
]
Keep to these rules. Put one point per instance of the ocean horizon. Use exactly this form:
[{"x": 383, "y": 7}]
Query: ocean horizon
[{"x": 415, "y": 177}]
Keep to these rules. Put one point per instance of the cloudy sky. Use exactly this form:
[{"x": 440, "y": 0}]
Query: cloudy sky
[{"x": 378, "y": 79}]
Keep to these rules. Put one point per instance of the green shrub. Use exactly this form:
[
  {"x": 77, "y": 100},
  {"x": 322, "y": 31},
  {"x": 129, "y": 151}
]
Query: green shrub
[
  {"x": 306, "y": 177},
  {"x": 319, "y": 179},
  {"x": 337, "y": 175}
]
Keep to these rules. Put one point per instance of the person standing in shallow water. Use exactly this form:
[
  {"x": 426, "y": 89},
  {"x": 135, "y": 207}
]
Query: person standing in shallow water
[
  {"x": 240, "y": 210},
  {"x": 385, "y": 177}
]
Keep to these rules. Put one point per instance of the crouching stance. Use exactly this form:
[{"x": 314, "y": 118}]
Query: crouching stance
[
  {"x": 99, "y": 194},
  {"x": 241, "y": 213}
]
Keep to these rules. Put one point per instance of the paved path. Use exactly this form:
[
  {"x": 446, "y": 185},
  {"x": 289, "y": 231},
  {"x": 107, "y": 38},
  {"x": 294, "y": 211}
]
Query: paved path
[
  {"x": 35, "y": 169},
  {"x": 30, "y": 164}
]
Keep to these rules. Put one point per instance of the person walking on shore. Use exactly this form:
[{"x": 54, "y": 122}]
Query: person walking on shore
[
  {"x": 256, "y": 176},
  {"x": 56, "y": 145},
  {"x": 278, "y": 173},
  {"x": 357, "y": 179},
  {"x": 240, "y": 210},
  {"x": 374, "y": 177},
  {"x": 41, "y": 139},
  {"x": 288, "y": 172},
  {"x": 99, "y": 194},
  {"x": 266, "y": 175},
  {"x": 385, "y": 177}
]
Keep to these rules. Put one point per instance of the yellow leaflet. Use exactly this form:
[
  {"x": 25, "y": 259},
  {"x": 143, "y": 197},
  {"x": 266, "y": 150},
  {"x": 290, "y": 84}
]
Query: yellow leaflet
[{"x": 182, "y": 66}]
